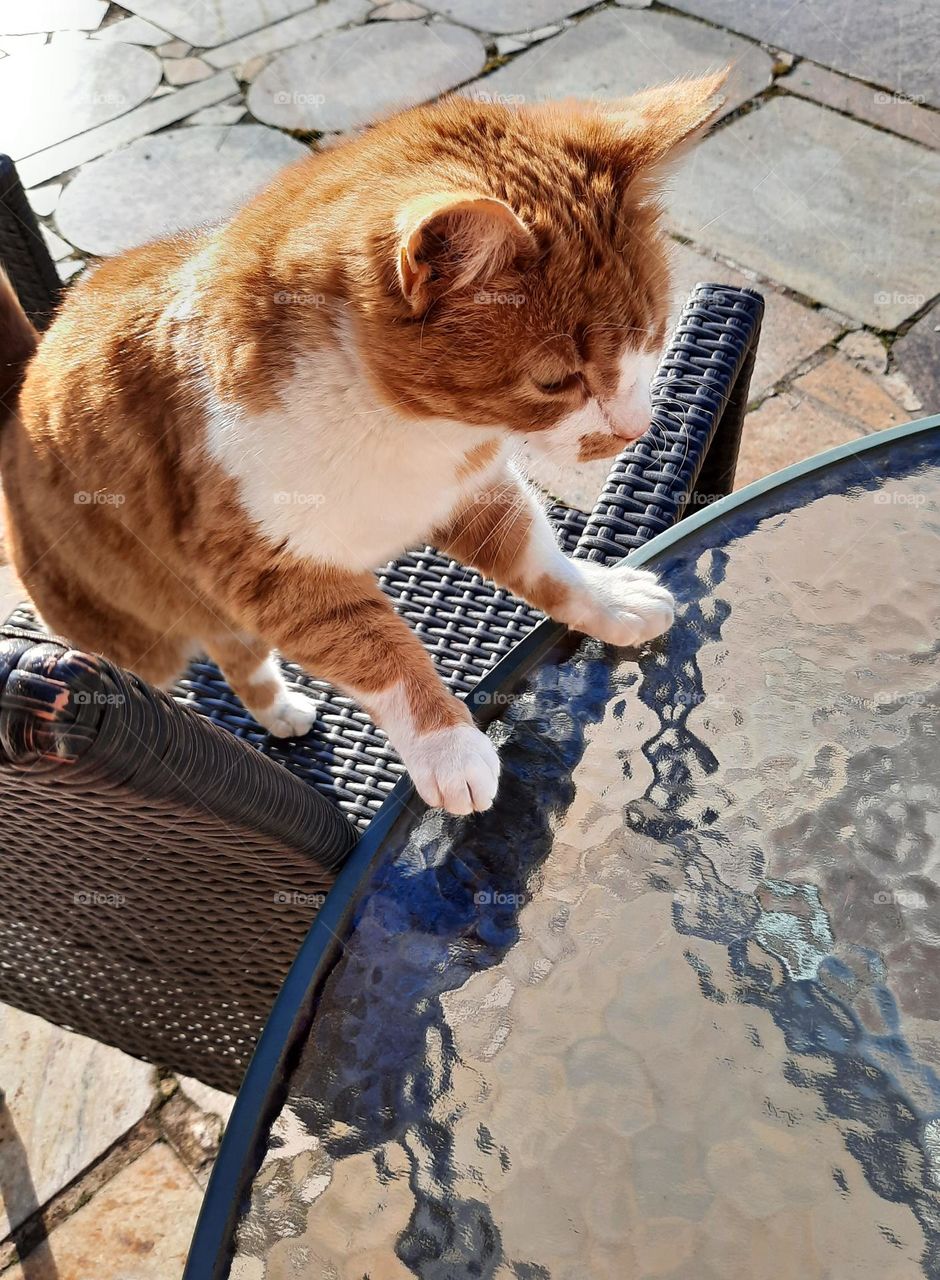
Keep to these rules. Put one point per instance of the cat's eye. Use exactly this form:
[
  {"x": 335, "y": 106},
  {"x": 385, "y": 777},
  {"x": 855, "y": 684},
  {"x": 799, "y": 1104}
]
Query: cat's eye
[{"x": 567, "y": 383}]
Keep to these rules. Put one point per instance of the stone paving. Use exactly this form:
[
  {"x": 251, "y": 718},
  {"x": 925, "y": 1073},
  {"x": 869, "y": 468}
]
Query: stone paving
[
  {"x": 820, "y": 185},
  {"x": 806, "y": 196}
]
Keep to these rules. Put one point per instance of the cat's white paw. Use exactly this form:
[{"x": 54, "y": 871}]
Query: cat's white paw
[
  {"x": 454, "y": 769},
  {"x": 290, "y": 715},
  {"x": 622, "y": 605}
]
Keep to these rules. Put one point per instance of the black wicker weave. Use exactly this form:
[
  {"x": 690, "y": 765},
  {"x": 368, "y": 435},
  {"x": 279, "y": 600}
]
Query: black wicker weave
[
  {"x": 160, "y": 874},
  {"x": 146, "y": 855},
  {"x": 23, "y": 252}
]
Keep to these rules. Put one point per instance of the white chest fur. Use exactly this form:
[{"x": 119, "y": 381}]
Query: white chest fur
[{"x": 338, "y": 475}]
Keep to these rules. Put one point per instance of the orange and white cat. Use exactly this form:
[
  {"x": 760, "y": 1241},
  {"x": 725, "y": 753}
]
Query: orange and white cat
[{"x": 223, "y": 433}]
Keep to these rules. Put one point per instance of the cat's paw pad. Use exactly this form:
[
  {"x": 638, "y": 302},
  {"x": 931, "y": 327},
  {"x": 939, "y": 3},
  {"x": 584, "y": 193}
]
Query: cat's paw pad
[
  {"x": 454, "y": 769},
  {"x": 626, "y": 606},
  {"x": 290, "y": 715}
]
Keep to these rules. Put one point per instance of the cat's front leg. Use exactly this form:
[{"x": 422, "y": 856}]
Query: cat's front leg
[
  {"x": 503, "y": 532},
  {"x": 340, "y": 626}
]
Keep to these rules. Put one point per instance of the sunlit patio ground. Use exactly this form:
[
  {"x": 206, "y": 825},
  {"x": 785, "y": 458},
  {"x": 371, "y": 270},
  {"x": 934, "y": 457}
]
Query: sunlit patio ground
[{"x": 820, "y": 186}]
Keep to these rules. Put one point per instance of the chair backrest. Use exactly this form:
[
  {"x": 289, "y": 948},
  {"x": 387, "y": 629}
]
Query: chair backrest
[{"x": 23, "y": 252}]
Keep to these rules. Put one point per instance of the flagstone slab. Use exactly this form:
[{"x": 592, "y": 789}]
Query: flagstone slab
[
  {"x": 618, "y": 51},
  {"x": 790, "y": 332},
  {"x": 69, "y": 267},
  {"x": 19, "y": 44},
  {"x": 249, "y": 71},
  {"x": 787, "y": 429},
  {"x": 170, "y": 182},
  {"x": 180, "y": 71},
  {"x": 224, "y": 113},
  {"x": 213, "y": 1101},
  {"x": 85, "y": 83},
  {"x": 843, "y": 385},
  {"x": 887, "y": 110},
  {"x": 133, "y": 31},
  {"x": 159, "y": 112},
  {"x": 348, "y": 79},
  {"x": 59, "y": 37},
  {"x": 44, "y": 199},
  {"x": 397, "y": 11},
  {"x": 835, "y": 210},
  {"x": 506, "y": 16},
  {"x": 291, "y": 31},
  {"x": 67, "y": 1100},
  {"x": 20, "y": 17},
  {"x": 174, "y": 49},
  {"x": 11, "y": 595},
  {"x": 917, "y": 356},
  {"x": 831, "y": 405},
  {"x": 58, "y": 249},
  {"x": 208, "y": 22},
  {"x": 138, "y": 1226},
  {"x": 896, "y": 44}
]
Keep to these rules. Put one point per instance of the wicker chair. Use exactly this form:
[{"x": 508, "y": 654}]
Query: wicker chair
[{"x": 163, "y": 858}]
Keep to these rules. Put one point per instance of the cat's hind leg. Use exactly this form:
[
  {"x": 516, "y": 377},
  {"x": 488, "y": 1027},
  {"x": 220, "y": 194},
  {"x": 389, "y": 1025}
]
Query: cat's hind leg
[
  {"x": 87, "y": 622},
  {"x": 253, "y": 674}
]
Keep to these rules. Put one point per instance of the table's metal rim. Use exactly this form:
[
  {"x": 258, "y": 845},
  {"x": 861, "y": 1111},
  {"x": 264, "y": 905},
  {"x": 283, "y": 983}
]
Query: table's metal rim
[{"x": 209, "y": 1256}]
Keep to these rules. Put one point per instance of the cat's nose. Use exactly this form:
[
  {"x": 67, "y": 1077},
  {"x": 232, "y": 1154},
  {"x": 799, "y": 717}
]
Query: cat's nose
[
  {"x": 629, "y": 407},
  {"x": 629, "y": 411},
  {"x": 631, "y": 428}
]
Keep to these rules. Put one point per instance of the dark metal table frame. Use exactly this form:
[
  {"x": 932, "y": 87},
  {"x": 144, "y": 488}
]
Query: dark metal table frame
[{"x": 265, "y": 1084}]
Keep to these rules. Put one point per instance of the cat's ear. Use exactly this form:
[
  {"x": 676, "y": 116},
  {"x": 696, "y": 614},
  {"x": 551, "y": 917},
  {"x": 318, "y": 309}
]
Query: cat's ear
[
  {"x": 448, "y": 241},
  {"x": 655, "y": 127}
]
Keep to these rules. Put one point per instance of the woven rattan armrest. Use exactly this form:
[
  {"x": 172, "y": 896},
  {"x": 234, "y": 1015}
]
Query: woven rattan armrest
[{"x": 158, "y": 873}]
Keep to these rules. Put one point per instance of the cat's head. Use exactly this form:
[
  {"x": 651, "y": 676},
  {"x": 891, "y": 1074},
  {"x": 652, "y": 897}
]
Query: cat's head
[{"x": 525, "y": 282}]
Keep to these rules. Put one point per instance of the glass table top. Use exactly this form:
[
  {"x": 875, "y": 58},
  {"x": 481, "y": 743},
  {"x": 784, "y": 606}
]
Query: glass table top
[{"x": 672, "y": 1007}]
